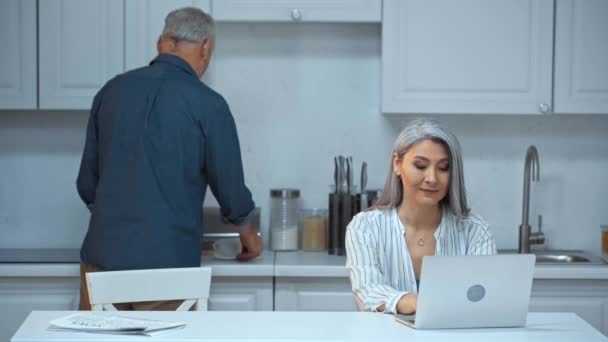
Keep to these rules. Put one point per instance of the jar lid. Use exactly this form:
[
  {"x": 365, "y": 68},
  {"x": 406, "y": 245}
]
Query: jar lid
[{"x": 285, "y": 193}]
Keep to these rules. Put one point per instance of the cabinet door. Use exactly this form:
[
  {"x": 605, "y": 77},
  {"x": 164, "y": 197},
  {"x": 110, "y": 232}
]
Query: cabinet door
[
  {"x": 314, "y": 294},
  {"x": 144, "y": 22},
  {"x": 20, "y": 296},
  {"x": 81, "y": 48},
  {"x": 241, "y": 294},
  {"x": 591, "y": 309},
  {"x": 581, "y": 56},
  {"x": 298, "y": 10},
  {"x": 585, "y": 297},
  {"x": 469, "y": 56},
  {"x": 18, "y": 65}
]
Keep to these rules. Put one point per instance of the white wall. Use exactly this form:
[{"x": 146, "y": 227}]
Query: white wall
[{"x": 300, "y": 95}]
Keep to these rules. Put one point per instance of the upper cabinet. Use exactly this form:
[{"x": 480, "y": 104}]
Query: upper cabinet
[
  {"x": 298, "y": 10},
  {"x": 495, "y": 56},
  {"x": 144, "y": 22},
  {"x": 18, "y": 64},
  {"x": 468, "y": 56},
  {"x": 81, "y": 47},
  {"x": 438, "y": 56},
  {"x": 581, "y": 56}
]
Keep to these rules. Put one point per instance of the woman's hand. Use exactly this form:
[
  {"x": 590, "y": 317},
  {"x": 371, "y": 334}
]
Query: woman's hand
[{"x": 407, "y": 304}]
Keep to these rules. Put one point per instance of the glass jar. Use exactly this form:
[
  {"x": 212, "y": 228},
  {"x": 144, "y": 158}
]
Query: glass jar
[
  {"x": 284, "y": 207},
  {"x": 313, "y": 227}
]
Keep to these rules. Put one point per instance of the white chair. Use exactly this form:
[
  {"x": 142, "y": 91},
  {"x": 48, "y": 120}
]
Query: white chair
[{"x": 190, "y": 284}]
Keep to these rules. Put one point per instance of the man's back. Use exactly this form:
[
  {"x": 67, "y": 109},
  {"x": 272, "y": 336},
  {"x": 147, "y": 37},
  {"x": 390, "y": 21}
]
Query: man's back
[{"x": 156, "y": 139}]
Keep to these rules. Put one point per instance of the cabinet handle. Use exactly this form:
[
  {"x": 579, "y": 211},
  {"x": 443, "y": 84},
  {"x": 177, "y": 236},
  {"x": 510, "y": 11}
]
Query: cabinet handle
[
  {"x": 544, "y": 108},
  {"x": 296, "y": 14}
]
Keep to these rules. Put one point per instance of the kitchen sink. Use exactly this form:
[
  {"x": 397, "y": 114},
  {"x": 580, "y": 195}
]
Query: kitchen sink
[{"x": 561, "y": 257}]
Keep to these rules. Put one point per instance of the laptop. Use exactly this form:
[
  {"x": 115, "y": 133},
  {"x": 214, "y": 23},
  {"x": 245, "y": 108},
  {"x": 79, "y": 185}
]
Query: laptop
[{"x": 476, "y": 291}]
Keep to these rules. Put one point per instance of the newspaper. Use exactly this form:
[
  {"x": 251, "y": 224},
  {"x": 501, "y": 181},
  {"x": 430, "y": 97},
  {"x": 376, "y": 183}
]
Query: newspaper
[{"x": 107, "y": 324}]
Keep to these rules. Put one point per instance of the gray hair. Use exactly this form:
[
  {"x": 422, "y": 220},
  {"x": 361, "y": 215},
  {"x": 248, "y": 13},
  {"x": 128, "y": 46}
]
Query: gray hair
[
  {"x": 415, "y": 132},
  {"x": 190, "y": 24}
]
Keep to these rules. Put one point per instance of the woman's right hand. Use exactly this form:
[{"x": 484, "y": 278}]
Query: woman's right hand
[{"x": 407, "y": 304}]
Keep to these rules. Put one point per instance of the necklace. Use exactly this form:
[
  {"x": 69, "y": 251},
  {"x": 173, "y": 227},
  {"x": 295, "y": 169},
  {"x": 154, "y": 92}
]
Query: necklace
[{"x": 420, "y": 241}]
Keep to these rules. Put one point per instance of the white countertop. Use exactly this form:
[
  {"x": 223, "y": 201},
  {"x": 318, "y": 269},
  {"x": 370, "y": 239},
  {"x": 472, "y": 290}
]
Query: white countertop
[
  {"x": 309, "y": 264},
  {"x": 312, "y": 326},
  {"x": 262, "y": 266},
  {"x": 289, "y": 264},
  {"x": 321, "y": 264}
]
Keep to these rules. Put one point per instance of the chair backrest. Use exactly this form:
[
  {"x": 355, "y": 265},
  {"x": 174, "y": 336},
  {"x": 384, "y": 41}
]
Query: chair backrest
[{"x": 190, "y": 284}]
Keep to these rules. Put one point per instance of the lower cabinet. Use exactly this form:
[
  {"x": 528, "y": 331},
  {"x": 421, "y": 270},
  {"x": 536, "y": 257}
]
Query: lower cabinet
[
  {"x": 587, "y": 298},
  {"x": 19, "y": 296},
  {"x": 313, "y": 294},
  {"x": 241, "y": 294}
]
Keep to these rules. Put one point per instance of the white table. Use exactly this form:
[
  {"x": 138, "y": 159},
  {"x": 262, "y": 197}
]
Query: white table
[{"x": 312, "y": 326}]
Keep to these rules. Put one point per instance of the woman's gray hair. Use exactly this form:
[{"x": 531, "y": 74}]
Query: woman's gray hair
[
  {"x": 190, "y": 24},
  {"x": 415, "y": 132}
]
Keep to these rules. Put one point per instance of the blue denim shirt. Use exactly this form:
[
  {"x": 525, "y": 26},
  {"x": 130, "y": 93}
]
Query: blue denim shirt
[{"x": 156, "y": 137}]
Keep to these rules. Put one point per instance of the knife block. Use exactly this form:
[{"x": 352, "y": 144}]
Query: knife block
[{"x": 342, "y": 208}]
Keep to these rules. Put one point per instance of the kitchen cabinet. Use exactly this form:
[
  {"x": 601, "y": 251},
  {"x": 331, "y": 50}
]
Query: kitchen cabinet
[
  {"x": 586, "y": 298},
  {"x": 241, "y": 294},
  {"x": 81, "y": 47},
  {"x": 495, "y": 57},
  {"x": 25, "y": 287},
  {"x": 20, "y": 295},
  {"x": 470, "y": 56},
  {"x": 314, "y": 294},
  {"x": 18, "y": 65},
  {"x": 312, "y": 281},
  {"x": 297, "y": 10},
  {"x": 581, "y": 56},
  {"x": 144, "y": 22}
]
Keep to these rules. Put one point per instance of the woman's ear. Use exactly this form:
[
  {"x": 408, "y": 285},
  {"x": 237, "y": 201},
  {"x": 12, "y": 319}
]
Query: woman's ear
[{"x": 396, "y": 164}]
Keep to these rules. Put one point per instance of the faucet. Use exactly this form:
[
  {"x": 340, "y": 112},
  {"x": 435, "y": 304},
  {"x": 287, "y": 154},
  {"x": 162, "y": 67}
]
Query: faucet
[{"x": 526, "y": 237}]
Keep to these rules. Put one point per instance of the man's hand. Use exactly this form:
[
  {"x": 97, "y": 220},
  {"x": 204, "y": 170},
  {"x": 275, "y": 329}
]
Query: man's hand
[
  {"x": 407, "y": 304},
  {"x": 252, "y": 244}
]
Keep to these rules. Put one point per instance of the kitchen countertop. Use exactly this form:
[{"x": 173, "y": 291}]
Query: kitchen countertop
[
  {"x": 309, "y": 264},
  {"x": 39, "y": 255},
  {"x": 65, "y": 263},
  {"x": 262, "y": 266},
  {"x": 320, "y": 264}
]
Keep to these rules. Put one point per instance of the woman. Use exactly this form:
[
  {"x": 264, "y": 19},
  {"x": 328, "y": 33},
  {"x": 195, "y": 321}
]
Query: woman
[{"x": 422, "y": 211}]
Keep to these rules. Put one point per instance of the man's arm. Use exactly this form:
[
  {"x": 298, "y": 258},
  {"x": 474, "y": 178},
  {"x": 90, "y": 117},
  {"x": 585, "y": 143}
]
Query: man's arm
[
  {"x": 88, "y": 176},
  {"x": 225, "y": 176}
]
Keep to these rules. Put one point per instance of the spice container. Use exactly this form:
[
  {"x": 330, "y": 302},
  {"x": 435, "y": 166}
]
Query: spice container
[
  {"x": 313, "y": 226},
  {"x": 284, "y": 207}
]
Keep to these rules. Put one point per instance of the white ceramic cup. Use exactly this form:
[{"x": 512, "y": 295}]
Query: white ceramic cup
[{"x": 227, "y": 248}]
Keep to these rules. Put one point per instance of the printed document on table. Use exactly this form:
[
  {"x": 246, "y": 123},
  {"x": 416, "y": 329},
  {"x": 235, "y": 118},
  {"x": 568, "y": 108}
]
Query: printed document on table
[{"x": 111, "y": 324}]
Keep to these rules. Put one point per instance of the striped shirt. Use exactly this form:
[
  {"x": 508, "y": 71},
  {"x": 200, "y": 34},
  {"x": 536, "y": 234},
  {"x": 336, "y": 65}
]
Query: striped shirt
[{"x": 379, "y": 262}]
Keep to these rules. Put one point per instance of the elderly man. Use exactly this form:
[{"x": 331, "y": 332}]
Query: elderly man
[{"x": 156, "y": 137}]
